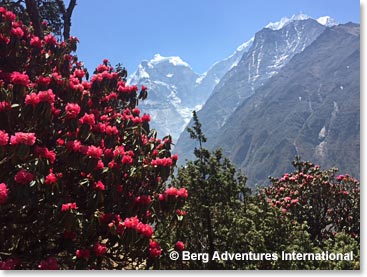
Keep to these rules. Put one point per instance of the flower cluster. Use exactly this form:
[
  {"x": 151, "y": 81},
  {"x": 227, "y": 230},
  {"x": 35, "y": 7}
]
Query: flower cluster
[
  {"x": 23, "y": 138},
  {"x": 154, "y": 249},
  {"x": 141, "y": 228}
]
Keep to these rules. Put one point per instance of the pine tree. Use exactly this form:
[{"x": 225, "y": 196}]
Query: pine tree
[{"x": 216, "y": 193}]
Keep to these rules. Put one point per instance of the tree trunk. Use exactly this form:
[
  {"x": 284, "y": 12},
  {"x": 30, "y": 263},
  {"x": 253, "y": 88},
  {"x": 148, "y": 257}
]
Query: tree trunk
[{"x": 34, "y": 14}]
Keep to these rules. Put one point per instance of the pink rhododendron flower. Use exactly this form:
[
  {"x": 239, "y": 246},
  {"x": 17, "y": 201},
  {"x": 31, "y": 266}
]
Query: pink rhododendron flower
[
  {"x": 23, "y": 138},
  {"x": 47, "y": 96},
  {"x": 32, "y": 99},
  {"x": 18, "y": 78}
]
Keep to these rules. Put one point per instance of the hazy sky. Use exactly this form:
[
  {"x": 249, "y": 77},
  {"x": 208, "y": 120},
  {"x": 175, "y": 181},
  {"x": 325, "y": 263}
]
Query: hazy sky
[{"x": 201, "y": 32}]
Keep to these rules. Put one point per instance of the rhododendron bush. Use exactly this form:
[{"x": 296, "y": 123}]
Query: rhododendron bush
[
  {"x": 82, "y": 176},
  {"x": 329, "y": 203}
]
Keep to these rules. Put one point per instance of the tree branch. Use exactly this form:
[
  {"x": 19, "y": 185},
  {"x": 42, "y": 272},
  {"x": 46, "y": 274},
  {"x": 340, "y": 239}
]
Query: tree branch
[{"x": 66, "y": 15}]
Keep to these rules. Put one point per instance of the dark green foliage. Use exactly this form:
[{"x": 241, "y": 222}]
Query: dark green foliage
[{"x": 307, "y": 211}]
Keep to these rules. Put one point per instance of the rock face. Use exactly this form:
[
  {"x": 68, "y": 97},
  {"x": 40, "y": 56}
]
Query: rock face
[
  {"x": 309, "y": 108},
  {"x": 273, "y": 47},
  {"x": 175, "y": 90}
]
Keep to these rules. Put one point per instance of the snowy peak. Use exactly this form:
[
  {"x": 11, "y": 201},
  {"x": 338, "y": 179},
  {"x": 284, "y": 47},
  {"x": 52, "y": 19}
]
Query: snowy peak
[
  {"x": 174, "y": 60},
  {"x": 284, "y": 21},
  {"x": 327, "y": 21}
]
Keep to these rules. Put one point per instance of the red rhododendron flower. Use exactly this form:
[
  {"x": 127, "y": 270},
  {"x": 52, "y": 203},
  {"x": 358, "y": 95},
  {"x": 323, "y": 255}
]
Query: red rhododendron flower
[
  {"x": 50, "y": 39},
  {"x": 50, "y": 179},
  {"x": 4, "y": 106},
  {"x": 9, "y": 264},
  {"x": 43, "y": 81},
  {"x": 36, "y": 42},
  {"x": 154, "y": 249},
  {"x": 99, "y": 186},
  {"x": 10, "y": 16},
  {"x": 3, "y": 193},
  {"x": 100, "y": 164},
  {"x": 49, "y": 264},
  {"x": 162, "y": 162},
  {"x": 74, "y": 145},
  {"x": 131, "y": 222},
  {"x": 144, "y": 229},
  {"x": 171, "y": 191},
  {"x": 23, "y": 177},
  {"x": 88, "y": 119},
  {"x": 72, "y": 110},
  {"x": 68, "y": 206},
  {"x": 82, "y": 253},
  {"x": 4, "y": 39},
  {"x": 23, "y": 138},
  {"x": 136, "y": 111},
  {"x": 17, "y": 32},
  {"x": 47, "y": 96},
  {"x": 18, "y": 78},
  {"x": 182, "y": 192},
  {"x": 180, "y": 246},
  {"x": 145, "y": 117},
  {"x": 94, "y": 152},
  {"x": 294, "y": 201},
  {"x": 111, "y": 130},
  {"x": 287, "y": 198},
  {"x": 32, "y": 99},
  {"x": 127, "y": 160},
  {"x": 79, "y": 73},
  {"x": 100, "y": 249},
  {"x": 4, "y": 138}
]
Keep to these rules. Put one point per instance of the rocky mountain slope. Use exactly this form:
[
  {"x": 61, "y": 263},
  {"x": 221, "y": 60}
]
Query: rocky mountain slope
[{"x": 310, "y": 108}]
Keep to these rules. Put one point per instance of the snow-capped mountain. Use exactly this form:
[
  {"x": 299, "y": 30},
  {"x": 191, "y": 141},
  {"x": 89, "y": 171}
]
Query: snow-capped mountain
[
  {"x": 272, "y": 48},
  {"x": 175, "y": 90}
]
